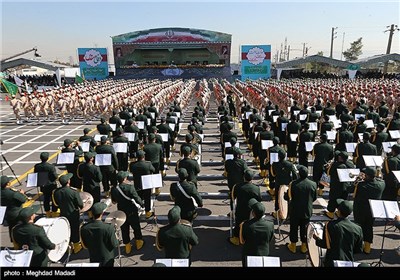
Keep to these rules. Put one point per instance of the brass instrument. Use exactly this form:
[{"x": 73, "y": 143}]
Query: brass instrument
[
  {"x": 359, "y": 177},
  {"x": 328, "y": 165},
  {"x": 29, "y": 200}
]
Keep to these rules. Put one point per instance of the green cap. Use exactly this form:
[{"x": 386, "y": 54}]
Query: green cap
[
  {"x": 5, "y": 180},
  {"x": 258, "y": 209},
  {"x": 303, "y": 171},
  {"x": 44, "y": 155},
  {"x": 174, "y": 214},
  {"x": 65, "y": 178},
  {"x": 186, "y": 150},
  {"x": 370, "y": 171},
  {"x": 122, "y": 175},
  {"x": 89, "y": 155},
  {"x": 67, "y": 142},
  {"x": 182, "y": 173},
  {"x": 25, "y": 213},
  {"x": 252, "y": 201},
  {"x": 140, "y": 153},
  {"x": 98, "y": 208},
  {"x": 152, "y": 136},
  {"x": 344, "y": 206}
]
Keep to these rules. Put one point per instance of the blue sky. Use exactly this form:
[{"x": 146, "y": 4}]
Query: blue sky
[{"x": 59, "y": 28}]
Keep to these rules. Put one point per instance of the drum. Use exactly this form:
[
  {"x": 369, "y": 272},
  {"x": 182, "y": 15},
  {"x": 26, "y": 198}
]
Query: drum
[
  {"x": 58, "y": 231},
  {"x": 317, "y": 254},
  {"x": 283, "y": 204}
]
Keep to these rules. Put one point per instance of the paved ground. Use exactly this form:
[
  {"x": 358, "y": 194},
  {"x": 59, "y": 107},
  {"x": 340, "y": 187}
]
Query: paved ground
[{"x": 23, "y": 144}]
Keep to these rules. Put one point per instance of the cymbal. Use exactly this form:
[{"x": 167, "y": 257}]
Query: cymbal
[
  {"x": 87, "y": 199},
  {"x": 116, "y": 218}
]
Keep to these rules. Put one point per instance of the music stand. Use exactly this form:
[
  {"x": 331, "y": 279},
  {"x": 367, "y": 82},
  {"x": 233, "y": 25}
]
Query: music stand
[
  {"x": 387, "y": 210},
  {"x": 9, "y": 166}
]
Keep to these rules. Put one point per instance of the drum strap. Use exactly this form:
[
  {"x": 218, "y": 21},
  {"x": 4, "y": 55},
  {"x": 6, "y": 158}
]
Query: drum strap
[
  {"x": 327, "y": 237},
  {"x": 186, "y": 195},
  {"x": 290, "y": 191},
  {"x": 130, "y": 199}
]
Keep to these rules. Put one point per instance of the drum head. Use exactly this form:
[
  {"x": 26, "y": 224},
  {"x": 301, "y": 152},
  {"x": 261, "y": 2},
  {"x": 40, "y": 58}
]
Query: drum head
[
  {"x": 313, "y": 250},
  {"x": 283, "y": 204},
  {"x": 58, "y": 231}
]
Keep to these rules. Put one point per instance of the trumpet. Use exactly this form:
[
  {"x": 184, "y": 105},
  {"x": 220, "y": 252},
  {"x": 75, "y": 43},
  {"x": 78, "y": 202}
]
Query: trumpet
[
  {"x": 328, "y": 165},
  {"x": 359, "y": 177}
]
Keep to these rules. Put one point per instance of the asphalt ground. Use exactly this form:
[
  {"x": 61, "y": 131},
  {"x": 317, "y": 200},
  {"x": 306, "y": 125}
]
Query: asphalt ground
[{"x": 22, "y": 145}]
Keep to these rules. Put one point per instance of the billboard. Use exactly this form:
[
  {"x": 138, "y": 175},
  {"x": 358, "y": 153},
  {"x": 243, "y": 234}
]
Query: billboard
[
  {"x": 256, "y": 62},
  {"x": 93, "y": 63}
]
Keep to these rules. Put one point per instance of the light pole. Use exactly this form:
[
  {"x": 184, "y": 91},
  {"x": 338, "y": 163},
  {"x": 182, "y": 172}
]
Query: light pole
[{"x": 333, "y": 36}]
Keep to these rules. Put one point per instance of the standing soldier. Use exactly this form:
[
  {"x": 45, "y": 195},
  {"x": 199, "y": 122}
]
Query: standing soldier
[
  {"x": 50, "y": 185},
  {"x": 87, "y": 138},
  {"x": 69, "y": 202},
  {"x": 91, "y": 176},
  {"x": 343, "y": 136},
  {"x": 364, "y": 148},
  {"x": 16, "y": 106},
  {"x": 73, "y": 167},
  {"x": 122, "y": 157},
  {"x": 191, "y": 166},
  {"x": 109, "y": 172},
  {"x": 164, "y": 128},
  {"x": 392, "y": 163},
  {"x": 104, "y": 128},
  {"x": 322, "y": 153},
  {"x": 155, "y": 154}
]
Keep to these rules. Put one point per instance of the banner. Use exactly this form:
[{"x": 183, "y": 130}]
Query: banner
[
  {"x": 256, "y": 62},
  {"x": 93, "y": 63},
  {"x": 10, "y": 87}
]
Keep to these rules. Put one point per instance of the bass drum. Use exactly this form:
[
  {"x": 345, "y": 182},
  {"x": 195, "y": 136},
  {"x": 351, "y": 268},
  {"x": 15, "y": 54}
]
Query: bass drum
[
  {"x": 316, "y": 254},
  {"x": 58, "y": 231},
  {"x": 283, "y": 204}
]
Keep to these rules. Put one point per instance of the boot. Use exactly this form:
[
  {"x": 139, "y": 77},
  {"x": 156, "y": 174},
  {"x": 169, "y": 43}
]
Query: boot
[
  {"x": 128, "y": 248},
  {"x": 157, "y": 191},
  {"x": 292, "y": 247},
  {"x": 149, "y": 214},
  {"x": 320, "y": 192},
  {"x": 55, "y": 214},
  {"x": 367, "y": 247},
  {"x": 48, "y": 214},
  {"x": 303, "y": 248},
  {"x": 234, "y": 240},
  {"x": 139, "y": 244},
  {"x": 330, "y": 215},
  {"x": 77, "y": 247},
  {"x": 272, "y": 193}
]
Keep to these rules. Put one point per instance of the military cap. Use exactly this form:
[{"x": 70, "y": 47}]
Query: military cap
[
  {"x": 396, "y": 148},
  {"x": 344, "y": 154},
  {"x": 186, "y": 150},
  {"x": 65, "y": 178},
  {"x": 67, "y": 142},
  {"x": 174, "y": 214},
  {"x": 86, "y": 130},
  {"x": 258, "y": 209},
  {"x": 119, "y": 130},
  {"x": 236, "y": 151},
  {"x": 102, "y": 120},
  {"x": 153, "y": 129},
  {"x": 252, "y": 201},
  {"x": 324, "y": 137},
  {"x": 25, "y": 213},
  {"x": 103, "y": 139},
  {"x": 281, "y": 154},
  {"x": 189, "y": 137},
  {"x": 44, "y": 155},
  {"x": 89, "y": 155},
  {"x": 122, "y": 175},
  {"x": 370, "y": 171},
  {"x": 152, "y": 136},
  {"x": 248, "y": 175},
  {"x": 140, "y": 153},
  {"x": 303, "y": 171},
  {"x": 344, "y": 206},
  {"x": 98, "y": 208},
  {"x": 182, "y": 173},
  {"x": 5, "y": 180},
  {"x": 162, "y": 118}
]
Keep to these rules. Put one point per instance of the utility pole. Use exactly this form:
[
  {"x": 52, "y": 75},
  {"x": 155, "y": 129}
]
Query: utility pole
[
  {"x": 333, "y": 36},
  {"x": 304, "y": 49},
  {"x": 341, "y": 53},
  {"x": 392, "y": 29},
  {"x": 288, "y": 51}
]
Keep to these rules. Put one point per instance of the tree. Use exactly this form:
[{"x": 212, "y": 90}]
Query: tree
[{"x": 354, "y": 51}]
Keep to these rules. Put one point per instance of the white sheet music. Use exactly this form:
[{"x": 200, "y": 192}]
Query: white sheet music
[
  {"x": 273, "y": 157},
  {"x": 15, "y": 258},
  {"x": 293, "y": 137},
  {"x": 120, "y": 147},
  {"x": 373, "y": 160},
  {"x": 153, "y": 115},
  {"x": 175, "y": 118},
  {"x": 123, "y": 121},
  {"x": 397, "y": 175},
  {"x": 201, "y": 136},
  {"x": 113, "y": 126},
  {"x": 32, "y": 180},
  {"x": 345, "y": 264},
  {"x": 131, "y": 136},
  {"x": 228, "y": 156},
  {"x": 140, "y": 124},
  {"x": 319, "y": 113},
  {"x": 102, "y": 159},
  {"x": 255, "y": 261},
  {"x": 387, "y": 146},
  {"x": 256, "y": 134},
  {"x": 344, "y": 174},
  {"x": 331, "y": 134},
  {"x": 310, "y": 146},
  {"x": 369, "y": 123},
  {"x": 296, "y": 112},
  {"x": 85, "y": 146},
  {"x": 384, "y": 208},
  {"x": 2, "y": 213},
  {"x": 65, "y": 158},
  {"x": 313, "y": 126},
  {"x": 358, "y": 116},
  {"x": 395, "y": 134},
  {"x": 178, "y": 114},
  {"x": 248, "y": 115},
  {"x": 265, "y": 144},
  {"x": 151, "y": 181},
  {"x": 274, "y": 118},
  {"x": 164, "y": 136},
  {"x": 350, "y": 147},
  {"x": 270, "y": 112},
  {"x": 167, "y": 262},
  {"x": 228, "y": 144},
  {"x": 283, "y": 126},
  {"x": 302, "y": 117},
  {"x": 82, "y": 265},
  {"x": 97, "y": 137},
  {"x": 172, "y": 126},
  {"x": 361, "y": 136},
  {"x": 148, "y": 121}
]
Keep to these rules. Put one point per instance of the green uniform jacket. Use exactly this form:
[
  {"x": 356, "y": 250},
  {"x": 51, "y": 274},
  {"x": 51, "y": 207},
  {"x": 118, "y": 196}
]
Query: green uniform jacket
[
  {"x": 186, "y": 204},
  {"x": 284, "y": 172},
  {"x": 377, "y": 140},
  {"x": 235, "y": 171},
  {"x": 391, "y": 183},
  {"x": 91, "y": 176},
  {"x": 344, "y": 238},
  {"x": 337, "y": 188},
  {"x": 68, "y": 200},
  {"x": 13, "y": 201},
  {"x": 35, "y": 237},
  {"x": 104, "y": 129},
  {"x": 257, "y": 235},
  {"x": 364, "y": 191},
  {"x": 302, "y": 194},
  {"x": 192, "y": 167},
  {"x": 138, "y": 169},
  {"x": 49, "y": 169},
  {"x": 101, "y": 241},
  {"x": 176, "y": 239},
  {"x": 364, "y": 149},
  {"x": 124, "y": 204},
  {"x": 90, "y": 139},
  {"x": 343, "y": 137},
  {"x": 155, "y": 154},
  {"x": 108, "y": 149},
  {"x": 243, "y": 192}
]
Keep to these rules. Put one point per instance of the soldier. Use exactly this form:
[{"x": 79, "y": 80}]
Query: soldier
[
  {"x": 87, "y": 138},
  {"x": 91, "y": 176},
  {"x": 322, "y": 153},
  {"x": 191, "y": 166},
  {"x": 363, "y": 149},
  {"x": 243, "y": 192},
  {"x": 370, "y": 188},
  {"x": 164, "y": 128},
  {"x": 301, "y": 195},
  {"x": 72, "y": 168},
  {"x": 130, "y": 127},
  {"x": 122, "y": 157},
  {"x": 138, "y": 169},
  {"x": 50, "y": 186},
  {"x": 394, "y": 123},
  {"x": 109, "y": 172},
  {"x": 392, "y": 163},
  {"x": 305, "y": 136},
  {"x": 185, "y": 195},
  {"x": 154, "y": 113},
  {"x": 293, "y": 127},
  {"x": 343, "y": 136},
  {"x": 16, "y": 106},
  {"x": 270, "y": 184},
  {"x": 116, "y": 121},
  {"x": 104, "y": 128},
  {"x": 99, "y": 238},
  {"x": 13, "y": 200},
  {"x": 69, "y": 202},
  {"x": 341, "y": 237},
  {"x": 177, "y": 238},
  {"x": 379, "y": 137},
  {"x": 131, "y": 204},
  {"x": 27, "y": 234},
  {"x": 256, "y": 234}
]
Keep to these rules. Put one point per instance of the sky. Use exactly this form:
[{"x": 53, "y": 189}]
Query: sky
[{"x": 58, "y": 28}]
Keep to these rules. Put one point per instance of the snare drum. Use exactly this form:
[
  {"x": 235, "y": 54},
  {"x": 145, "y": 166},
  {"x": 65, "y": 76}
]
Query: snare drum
[
  {"x": 316, "y": 254},
  {"x": 58, "y": 231},
  {"x": 283, "y": 204}
]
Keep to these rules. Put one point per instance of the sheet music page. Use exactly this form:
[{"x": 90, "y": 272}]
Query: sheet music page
[
  {"x": 310, "y": 146},
  {"x": 131, "y": 136},
  {"x": 164, "y": 136},
  {"x": 151, "y": 181},
  {"x": 167, "y": 262},
  {"x": 178, "y": 114},
  {"x": 369, "y": 123},
  {"x": 302, "y": 117},
  {"x": 254, "y": 261},
  {"x": 248, "y": 115},
  {"x": 296, "y": 112},
  {"x": 313, "y": 126},
  {"x": 153, "y": 115},
  {"x": 256, "y": 134},
  {"x": 97, "y": 137},
  {"x": 65, "y": 158},
  {"x": 392, "y": 208},
  {"x": 265, "y": 144},
  {"x": 228, "y": 156},
  {"x": 319, "y": 113},
  {"x": 102, "y": 159},
  {"x": 331, "y": 134},
  {"x": 274, "y": 118},
  {"x": 273, "y": 157},
  {"x": 377, "y": 208},
  {"x": 140, "y": 124},
  {"x": 85, "y": 146},
  {"x": 272, "y": 261},
  {"x": 172, "y": 126},
  {"x": 270, "y": 112},
  {"x": 344, "y": 174},
  {"x": 387, "y": 146},
  {"x": 15, "y": 258},
  {"x": 175, "y": 118},
  {"x": 123, "y": 121},
  {"x": 358, "y": 116},
  {"x": 113, "y": 126},
  {"x": 2, "y": 213},
  {"x": 201, "y": 136},
  {"x": 350, "y": 147},
  {"x": 180, "y": 263},
  {"x": 378, "y": 160},
  {"x": 120, "y": 147},
  {"x": 369, "y": 160},
  {"x": 32, "y": 180},
  {"x": 284, "y": 125},
  {"x": 397, "y": 175},
  {"x": 293, "y": 137},
  {"x": 395, "y": 134}
]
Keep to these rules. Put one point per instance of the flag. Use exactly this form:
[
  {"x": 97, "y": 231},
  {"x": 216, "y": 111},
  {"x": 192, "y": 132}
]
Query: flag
[
  {"x": 10, "y": 87},
  {"x": 78, "y": 79},
  {"x": 18, "y": 81},
  {"x": 58, "y": 75}
]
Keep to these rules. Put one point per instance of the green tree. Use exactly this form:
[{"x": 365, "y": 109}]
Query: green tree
[{"x": 354, "y": 51}]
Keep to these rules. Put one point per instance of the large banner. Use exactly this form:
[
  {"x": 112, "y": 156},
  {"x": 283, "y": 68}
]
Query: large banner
[
  {"x": 256, "y": 62},
  {"x": 93, "y": 63}
]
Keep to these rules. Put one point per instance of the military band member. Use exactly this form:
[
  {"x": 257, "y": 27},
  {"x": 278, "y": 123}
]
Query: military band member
[
  {"x": 370, "y": 188},
  {"x": 130, "y": 203},
  {"x": 301, "y": 195},
  {"x": 177, "y": 239},
  {"x": 99, "y": 238},
  {"x": 69, "y": 202},
  {"x": 363, "y": 149},
  {"x": 91, "y": 176},
  {"x": 122, "y": 157},
  {"x": 87, "y": 138},
  {"x": 27, "y": 235},
  {"x": 379, "y": 137},
  {"x": 17, "y": 108},
  {"x": 51, "y": 185},
  {"x": 164, "y": 128},
  {"x": 343, "y": 136},
  {"x": 322, "y": 153},
  {"x": 130, "y": 127},
  {"x": 391, "y": 163},
  {"x": 394, "y": 123},
  {"x": 341, "y": 237},
  {"x": 305, "y": 136},
  {"x": 271, "y": 179},
  {"x": 115, "y": 120},
  {"x": 73, "y": 167},
  {"x": 104, "y": 128},
  {"x": 256, "y": 234},
  {"x": 109, "y": 172},
  {"x": 191, "y": 166}
]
